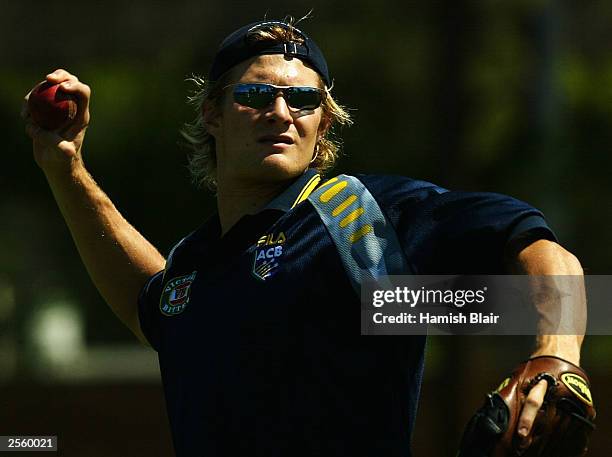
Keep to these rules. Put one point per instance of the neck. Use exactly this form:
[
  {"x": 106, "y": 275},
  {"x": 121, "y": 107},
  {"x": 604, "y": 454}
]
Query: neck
[{"x": 235, "y": 201}]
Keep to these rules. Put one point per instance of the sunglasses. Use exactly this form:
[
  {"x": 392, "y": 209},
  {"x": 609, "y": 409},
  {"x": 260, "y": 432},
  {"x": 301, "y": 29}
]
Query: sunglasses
[{"x": 258, "y": 96}]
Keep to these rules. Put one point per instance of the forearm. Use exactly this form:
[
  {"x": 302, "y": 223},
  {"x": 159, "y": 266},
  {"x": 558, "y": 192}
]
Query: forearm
[
  {"x": 565, "y": 346},
  {"x": 543, "y": 260},
  {"x": 117, "y": 257}
]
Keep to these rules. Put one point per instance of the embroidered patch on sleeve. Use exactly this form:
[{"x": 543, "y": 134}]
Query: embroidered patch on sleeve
[{"x": 175, "y": 294}]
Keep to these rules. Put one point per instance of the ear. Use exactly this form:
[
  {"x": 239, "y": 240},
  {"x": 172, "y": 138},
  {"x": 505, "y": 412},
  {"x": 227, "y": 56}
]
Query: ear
[{"x": 212, "y": 117}]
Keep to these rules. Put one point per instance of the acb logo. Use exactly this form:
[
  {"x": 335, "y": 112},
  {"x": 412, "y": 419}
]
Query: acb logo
[{"x": 268, "y": 252}]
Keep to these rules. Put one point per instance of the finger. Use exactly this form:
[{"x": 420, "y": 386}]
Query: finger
[
  {"x": 83, "y": 94},
  {"x": 32, "y": 130},
  {"x": 60, "y": 75},
  {"x": 25, "y": 110},
  {"x": 42, "y": 136},
  {"x": 74, "y": 86},
  {"x": 532, "y": 405}
]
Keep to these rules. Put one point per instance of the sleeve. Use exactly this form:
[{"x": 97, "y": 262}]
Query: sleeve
[
  {"x": 470, "y": 233},
  {"x": 148, "y": 310}
]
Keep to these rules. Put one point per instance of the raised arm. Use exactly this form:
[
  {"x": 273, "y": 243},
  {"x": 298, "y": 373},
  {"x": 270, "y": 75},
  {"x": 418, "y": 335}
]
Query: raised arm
[{"x": 118, "y": 258}]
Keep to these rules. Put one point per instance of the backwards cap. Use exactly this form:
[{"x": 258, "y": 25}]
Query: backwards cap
[{"x": 236, "y": 48}]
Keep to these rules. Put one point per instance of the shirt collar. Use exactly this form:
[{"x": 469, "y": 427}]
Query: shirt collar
[{"x": 297, "y": 192}]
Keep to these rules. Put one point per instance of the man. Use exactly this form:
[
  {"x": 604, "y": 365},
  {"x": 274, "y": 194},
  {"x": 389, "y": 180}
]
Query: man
[{"x": 253, "y": 315}]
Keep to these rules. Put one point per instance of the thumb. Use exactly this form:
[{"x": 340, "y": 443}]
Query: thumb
[{"x": 42, "y": 136}]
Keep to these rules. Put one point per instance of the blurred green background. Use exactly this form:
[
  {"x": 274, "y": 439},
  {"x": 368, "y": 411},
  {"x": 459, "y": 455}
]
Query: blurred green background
[{"x": 512, "y": 97}]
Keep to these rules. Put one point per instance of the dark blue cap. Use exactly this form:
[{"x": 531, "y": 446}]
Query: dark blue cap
[{"x": 236, "y": 48}]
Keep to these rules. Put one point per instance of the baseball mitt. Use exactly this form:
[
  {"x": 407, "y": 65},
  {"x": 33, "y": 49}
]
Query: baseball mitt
[{"x": 562, "y": 425}]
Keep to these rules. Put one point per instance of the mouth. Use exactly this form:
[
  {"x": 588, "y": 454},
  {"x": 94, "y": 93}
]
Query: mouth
[{"x": 276, "y": 140}]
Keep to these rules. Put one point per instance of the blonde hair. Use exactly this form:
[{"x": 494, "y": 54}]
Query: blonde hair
[{"x": 203, "y": 157}]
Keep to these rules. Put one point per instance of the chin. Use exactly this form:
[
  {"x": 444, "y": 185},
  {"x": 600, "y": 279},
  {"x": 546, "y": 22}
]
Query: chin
[{"x": 279, "y": 167}]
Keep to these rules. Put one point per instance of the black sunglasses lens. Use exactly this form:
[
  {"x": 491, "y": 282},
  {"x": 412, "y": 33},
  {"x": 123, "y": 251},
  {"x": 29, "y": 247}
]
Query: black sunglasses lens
[
  {"x": 303, "y": 98},
  {"x": 254, "y": 95},
  {"x": 259, "y": 96}
]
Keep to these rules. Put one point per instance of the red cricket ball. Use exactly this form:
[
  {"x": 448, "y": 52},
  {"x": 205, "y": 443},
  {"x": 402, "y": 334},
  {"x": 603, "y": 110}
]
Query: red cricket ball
[{"x": 51, "y": 108}]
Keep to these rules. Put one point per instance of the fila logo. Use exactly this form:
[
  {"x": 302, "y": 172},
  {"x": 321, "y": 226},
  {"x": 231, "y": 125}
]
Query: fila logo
[{"x": 268, "y": 240}]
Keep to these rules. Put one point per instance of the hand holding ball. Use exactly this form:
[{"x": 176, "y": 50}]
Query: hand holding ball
[{"x": 50, "y": 107}]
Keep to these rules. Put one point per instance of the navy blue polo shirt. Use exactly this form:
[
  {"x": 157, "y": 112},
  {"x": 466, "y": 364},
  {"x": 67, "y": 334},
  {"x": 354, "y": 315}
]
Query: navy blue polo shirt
[{"x": 258, "y": 331}]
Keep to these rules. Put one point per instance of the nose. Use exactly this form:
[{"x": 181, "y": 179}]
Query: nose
[{"x": 279, "y": 111}]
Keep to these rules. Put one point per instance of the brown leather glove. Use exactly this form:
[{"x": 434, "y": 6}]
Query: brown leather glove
[{"x": 561, "y": 428}]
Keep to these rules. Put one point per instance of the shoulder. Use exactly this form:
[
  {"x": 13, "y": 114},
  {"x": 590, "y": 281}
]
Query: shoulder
[
  {"x": 389, "y": 188},
  {"x": 400, "y": 196},
  {"x": 180, "y": 248},
  {"x": 423, "y": 207},
  {"x": 393, "y": 190},
  {"x": 192, "y": 245}
]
